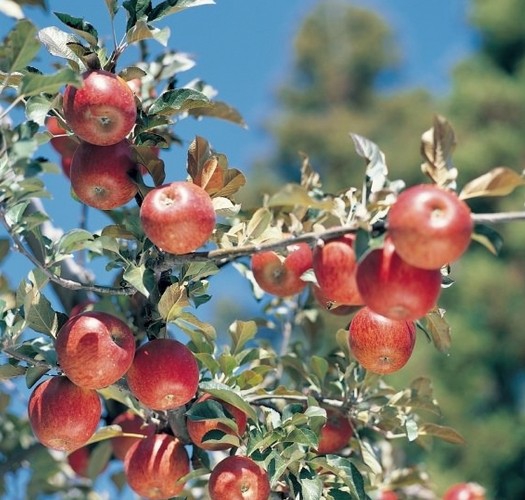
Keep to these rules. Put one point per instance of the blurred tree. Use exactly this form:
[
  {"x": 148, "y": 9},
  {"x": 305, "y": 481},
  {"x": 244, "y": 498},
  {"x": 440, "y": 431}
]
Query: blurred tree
[{"x": 341, "y": 54}]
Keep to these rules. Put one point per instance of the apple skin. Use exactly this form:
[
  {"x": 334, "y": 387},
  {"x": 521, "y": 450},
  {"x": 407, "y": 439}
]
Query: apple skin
[
  {"x": 103, "y": 110},
  {"x": 178, "y": 217},
  {"x": 94, "y": 349},
  {"x": 154, "y": 465},
  {"x": 329, "y": 305},
  {"x": 238, "y": 478},
  {"x": 164, "y": 374},
  {"x": 63, "y": 144},
  {"x": 465, "y": 491},
  {"x": 102, "y": 176},
  {"x": 78, "y": 460},
  {"x": 62, "y": 415},
  {"x": 429, "y": 226},
  {"x": 282, "y": 276},
  {"x": 381, "y": 345},
  {"x": 334, "y": 265},
  {"x": 131, "y": 423},
  {"x": 335, "y": 433},
  {"x": 391, "y": 287},
  {"x": 388, "y": 495},
  {"x": 197, "y": 429}
]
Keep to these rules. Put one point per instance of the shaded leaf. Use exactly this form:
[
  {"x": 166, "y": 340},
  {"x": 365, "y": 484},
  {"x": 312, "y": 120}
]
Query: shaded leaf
[
  {"x": 19, "y": 47},
  {"x": 219, "y": 109},
  {"x": 241, "y": 332},
  {"x": 293, "y": 194},
  {"x": 370, "y": 458},
  {"x": 439, "y": 329},
  {"x": 176, "y": 101},
  {"x": 226, "y": 394},
  {"x": 107, "y": 432},
  {"x": 34, "y": 374},
  {"x": 10, "y": 371},
  {"x": 112, "y": 6},
  {"x": 442, "y": 432},
  {"x": 488, "y": 237},
  {"x": 141, "y": 30},
  {"x": 173, "y": 6},
  {"x": 74, "y": 240},
  {"x": 499, "y": 181},
  {"x": 82, "y": 28},
  {"x": 189, "y": 323},
  {"x": 37, "y": 108},
  {"x": 33, "y": 84}
]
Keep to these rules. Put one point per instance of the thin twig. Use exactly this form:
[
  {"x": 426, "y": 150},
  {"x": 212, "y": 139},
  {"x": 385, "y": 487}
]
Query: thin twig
[
  {"x": 22, "y": 357},
  {"x": 499, "y": 217}
]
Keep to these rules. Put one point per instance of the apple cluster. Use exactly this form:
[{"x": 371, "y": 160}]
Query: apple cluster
[
  {"x": 99, "y": 159},
  {"x": 393, "y": 285}
]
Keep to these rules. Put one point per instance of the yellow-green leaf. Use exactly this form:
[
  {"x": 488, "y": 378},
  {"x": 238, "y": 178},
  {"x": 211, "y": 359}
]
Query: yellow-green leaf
[{"x": 499, "y": 181}]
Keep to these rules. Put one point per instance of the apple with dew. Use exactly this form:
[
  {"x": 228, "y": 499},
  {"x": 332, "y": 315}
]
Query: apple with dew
[
  {"x": 281, "y": 276},
  {"x": 164, "y": 374},
  {"x": 334, "y": 265},
  {"x": 154, "y": 466},
  {"x": 63, "y": 416},
  {"x": 130, "y": 423},
  {"x": 335, "y": 433},
  {"x": 380, "y": 344},
  {"x": 102, "y": 176},
  {"x": 197, "y": 429},
  {"x": 103, "y": 110},
  {"x": 178, "y": 217},
  {"x": 429, "y": 226},
  {"x": 465, "y": 491},
  {"x": 94, "y": 349},
  {"x": 391, "y": 287},
  {"x": 239, "y": 478}
]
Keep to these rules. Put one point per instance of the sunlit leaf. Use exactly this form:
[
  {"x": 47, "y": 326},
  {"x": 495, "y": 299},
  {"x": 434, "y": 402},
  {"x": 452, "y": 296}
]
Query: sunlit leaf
[
  {"x": 176, "y": 101},
  {"x": 172, "y": 302},
  {"x": 439, "y": 329},
  {"x": 226, "y": 394},
  {"x": 19, "y": 47},
  {"x": 169, "y": 7},
  {"x": 219, "y": 109},
  {"x": 35, "y": 84},
  {"x": 241, "y": 333},
  {"x": 488, "y": 237},
  {"x": 56, "y": 42},
  {"x": 112, "y": 6},
  {"x": 139, "y": 277},
  {"x": 442, "y": 432},
  {"x": 293, "y": 194},
  {"x": 141, "y": 30},
  {"x": 376, "y": 168},
  {"x": 499, "y": 181}
]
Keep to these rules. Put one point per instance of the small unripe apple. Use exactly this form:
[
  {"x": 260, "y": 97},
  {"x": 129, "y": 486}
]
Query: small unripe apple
[
  {"x": 380, "y": 344},
  {"x": 164, "y": 374},
  {"x": 103, "y": 110},
  {"x": 154, "y": 466},
  {"x": 429, "y": 226},
  {"x": 102, "y": 176},
  {"x": 130, "y": 423},
  {"x": 335, "y": 433},
  {"x": 334, "y": 265},
  {"x": 239, "y": 478},
  {"x": 281, "y": 276},
  {"x": 391, "y": 287},
  {"x": 465, "y": 491},
  {"x": 63, "y": 416},
  {"x": 178, "y": 217},
  {"x": 94, "y": 349},
  {"x": 197, "y": 429}
]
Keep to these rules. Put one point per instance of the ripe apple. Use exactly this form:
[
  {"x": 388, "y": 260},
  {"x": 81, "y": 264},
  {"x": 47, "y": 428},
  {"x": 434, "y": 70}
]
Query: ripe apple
[
  {"x": 329, "y": 305},
  {"x": 281, "y": 276},
  {"x": 103, "y": 110},
  {"x": 380, "y": 344},
  {"x": 429, "y": 226},
  {"x": 61, "y": 142},
  {"x": 94, "y": 349},
  {"x": 84, "y": 306},
  {"x": 63, "y": 416},
  {"x": 164, "y": 374},
  {"x": 239, "y": 478},
  {"x": 334, "y": 264},
  {"x": 66, "y": 162},
  {"x": 198, "y": 428},
  {"x": 335, "y": 433},
  {"x": 388, "y": 495},
  {"x": 154, "y": 466},
  {"x": 130, "y": 423},
  {"x": 102, "y": 176},
  {"x": 465, "y": 491},
  {"x": 391, "y": 287},
  {"x": 178, "y": 217},
  {"x": 78, "y": 460}
]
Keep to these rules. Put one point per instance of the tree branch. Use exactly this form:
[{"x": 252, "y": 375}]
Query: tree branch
[{"x": 499, "y": 217}]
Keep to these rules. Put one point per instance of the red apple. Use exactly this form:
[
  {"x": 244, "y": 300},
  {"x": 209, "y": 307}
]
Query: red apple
[
  {"x": 66, "y": 162},
  {"x": 130, "y": 423},
  {"x": 63, "y": 416},
  {"x": 102, "y": 176},
  {"x": 94, "y": 349},
  {"x": 164, "y": 374},
  {"x": 429, "y": 226},
  {"x": 335, "y": 433},
  {"x": 465, "y": 491},
  {"x": 78, "y": 460},
  {"x": 391, "y": 287},
  {"x": 387, "y": 495},
  {"x": 84, "y": 306},
  {"x": 281, "y": 276},
  {"x": 334, "y": 264},
  {"x": 329, "y": 305},
  {"x": 103, "y": 110},
  {"x": 380, "y": 344},
  {"x": 154, "y": 466},
  {"x": 62, "y": 143},
  {"x": 197, "y": 429},
  {"x": 178, "y": 217},
  {"x": 239, "y": 478}
]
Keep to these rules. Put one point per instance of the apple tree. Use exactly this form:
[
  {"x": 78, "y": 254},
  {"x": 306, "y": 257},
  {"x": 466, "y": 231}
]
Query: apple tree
[{"x": 103, "y": 340}]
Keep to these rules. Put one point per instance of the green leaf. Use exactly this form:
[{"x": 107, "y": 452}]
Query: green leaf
[
  {"x": 488, "y": 237},
  {"x": 499, "y": 181},
  {"x": 37, "y": 108},
  {"x": 33, "y": 84},
  {"x": 74, "y": 240},
  {"x": 295, "y": 195},
  {"x": 173, "y": 6},
  {"x": 411, "y": 429},
  {"x": 5, "y": 245},
  {"x": 177, "y": 101},
  {"x": 98, "y": 459},
  {"x": 319, "y": 367},
  {"x": 137, "y": 9},
  {"x": 141, "y": 30},
  {"x": 172, "y": 302},
  {"x": 39, "y": 314},
  {"x": 221, "y": 110},
  {"x": 112, "y": 6},
  {"x": 80, "y": 27},
  {"x": 241, "y": 332},
  {"x": 439, "y": 329},
  {"x": 226, "y": 394},
  {"x": 442, "y": 432},
  {"x": 108, "y": 432},
  {"x": 122, "y": 396},
  {"x": 139, "y": 277},
  {"x": 34, "y": 374},
  {"x": 19, "y": 48},
  {"x": 188, "y": 322},
  {"x": 311, "y": 485},
  {"x": 370, "y": 458},
  {"x": 11, "y": 371},
  {"x": 258, "y": 223}
]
